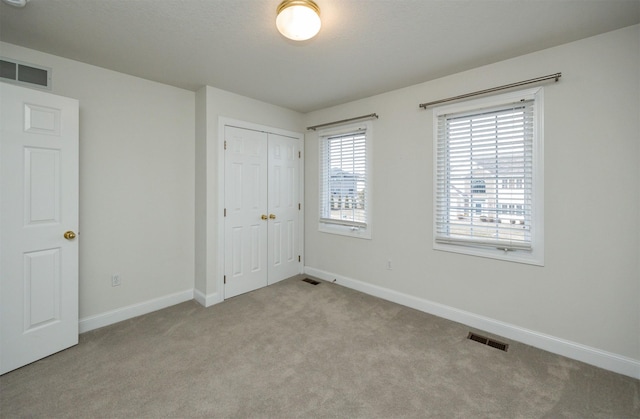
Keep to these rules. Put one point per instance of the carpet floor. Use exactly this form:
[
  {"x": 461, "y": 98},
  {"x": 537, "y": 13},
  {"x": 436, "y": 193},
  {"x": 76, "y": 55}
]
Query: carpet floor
[{"x": 295, "y": 350}]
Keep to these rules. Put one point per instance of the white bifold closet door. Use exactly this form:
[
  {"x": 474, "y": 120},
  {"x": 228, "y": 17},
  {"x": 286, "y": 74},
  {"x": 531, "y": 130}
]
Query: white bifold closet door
[{"x": 262, "y": 207}]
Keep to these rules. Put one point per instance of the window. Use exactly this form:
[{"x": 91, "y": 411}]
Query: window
[
  {"x": 488, "y": 177},
  {"x": 345, "y": 187}
]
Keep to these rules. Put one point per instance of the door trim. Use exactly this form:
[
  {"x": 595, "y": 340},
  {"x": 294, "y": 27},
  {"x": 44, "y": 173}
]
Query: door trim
[{"x": 224, "y": 121}]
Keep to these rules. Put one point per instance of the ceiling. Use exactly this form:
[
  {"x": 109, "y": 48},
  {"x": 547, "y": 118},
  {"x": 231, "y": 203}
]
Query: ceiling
[{"x": 365, "y": 47}]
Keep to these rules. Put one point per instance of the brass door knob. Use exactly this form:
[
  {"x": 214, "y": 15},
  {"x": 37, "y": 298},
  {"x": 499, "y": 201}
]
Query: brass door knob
[
  {"x": 264, "y": 217},
  {"x": 272, "y": 216},
  {"x": 69, "y": 235}
]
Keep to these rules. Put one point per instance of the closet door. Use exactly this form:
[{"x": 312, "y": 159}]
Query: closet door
[
  {"x": 246, "y": 219},
  {"x": 262, "y": 207},
  {"x": 284, "y": 210}
]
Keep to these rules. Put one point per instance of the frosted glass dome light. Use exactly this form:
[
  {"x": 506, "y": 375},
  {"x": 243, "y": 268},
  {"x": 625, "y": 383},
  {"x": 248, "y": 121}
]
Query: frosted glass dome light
[
  {"x": 16, "y": 3},
  {"x": 298, "y": 19}
]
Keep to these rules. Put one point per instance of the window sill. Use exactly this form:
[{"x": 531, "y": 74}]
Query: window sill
[
  {"x": 517, "y": 256},
  {"x": 357, "y": 232}
]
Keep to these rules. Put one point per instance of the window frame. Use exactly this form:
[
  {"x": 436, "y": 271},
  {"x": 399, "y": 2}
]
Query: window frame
[
  {"x": 358, "y": 231},
  {"x": 535, "y": 255}
]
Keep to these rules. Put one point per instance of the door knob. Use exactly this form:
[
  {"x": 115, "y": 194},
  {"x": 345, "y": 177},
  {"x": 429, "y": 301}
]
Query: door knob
[
  {"x": 69, "y": 235},
  {"x": 264, "y": 217},
  {"x": 272, "y": 216}
]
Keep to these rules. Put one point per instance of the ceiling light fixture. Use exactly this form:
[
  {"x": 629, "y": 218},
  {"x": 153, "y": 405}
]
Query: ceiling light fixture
[
  {"x": 16, "y": 3},
  {"x": 298, "y": 19}
]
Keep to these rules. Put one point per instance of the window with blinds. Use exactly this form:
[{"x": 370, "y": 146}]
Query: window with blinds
[
  {"x": 344, "y": 189},
  {"x": 486, "y": 175}
]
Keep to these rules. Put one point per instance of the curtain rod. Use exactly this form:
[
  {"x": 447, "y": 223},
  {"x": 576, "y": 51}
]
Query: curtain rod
[
  {"x": 555, "y": 76},
  {"x": 370, "y": 116}
]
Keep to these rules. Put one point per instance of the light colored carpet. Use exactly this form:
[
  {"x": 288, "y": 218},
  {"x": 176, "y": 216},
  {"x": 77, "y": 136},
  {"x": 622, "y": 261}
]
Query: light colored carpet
[{"x": 299, "y": 350}]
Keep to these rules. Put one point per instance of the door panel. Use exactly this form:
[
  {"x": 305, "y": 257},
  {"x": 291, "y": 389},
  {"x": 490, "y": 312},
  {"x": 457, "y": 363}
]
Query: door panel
[
  {"x": 38, "y": 202},
  {"x": 245, "y": 203},
  {"x": 41, "y": 180},
  {"x": 283, "y": 205},
  {"x": 42, "y": 285}
]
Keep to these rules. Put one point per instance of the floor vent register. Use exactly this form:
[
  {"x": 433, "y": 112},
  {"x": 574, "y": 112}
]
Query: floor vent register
[
  {"x": 311, "y": 281},
  {"x": 488, "y": 341}
]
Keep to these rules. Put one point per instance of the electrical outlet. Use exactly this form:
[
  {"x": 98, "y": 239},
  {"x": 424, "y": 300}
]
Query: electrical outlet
[{"x": 115, "y": 280}]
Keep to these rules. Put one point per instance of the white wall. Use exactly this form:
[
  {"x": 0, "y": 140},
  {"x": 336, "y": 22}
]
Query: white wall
[
  {"x": 588, "y": 292},
  {"x": 136, "y": 183},
  {"x": 220, "y": 103}
]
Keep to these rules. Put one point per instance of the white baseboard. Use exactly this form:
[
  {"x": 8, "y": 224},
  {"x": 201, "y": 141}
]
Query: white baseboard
[
  {"x": 603, "y": 359},
  {"x": 206, "y": 300},
  {"x": 134, "y": 310}
]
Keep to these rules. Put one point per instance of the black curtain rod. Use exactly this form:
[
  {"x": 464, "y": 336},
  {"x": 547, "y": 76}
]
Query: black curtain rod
[
  {"x": 555, "y": 76},
  {"x": 370, "y": 116}
]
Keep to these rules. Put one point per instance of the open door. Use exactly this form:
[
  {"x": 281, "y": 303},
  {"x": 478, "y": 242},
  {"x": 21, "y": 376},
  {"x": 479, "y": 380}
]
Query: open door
[{"x": 38, "y": 225}]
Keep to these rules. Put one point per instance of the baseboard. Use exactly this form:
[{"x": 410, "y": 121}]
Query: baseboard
[
  {"x": 206, "y": 300},
  {"x": 603, "y": 359},
  {"x": 134, "y": 310}
]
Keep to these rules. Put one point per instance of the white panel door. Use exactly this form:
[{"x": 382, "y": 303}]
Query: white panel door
[
  {"x": 284, "y": 191},
  {"x": 246, "y": 221},
  {"x": 39, "y": 205}
]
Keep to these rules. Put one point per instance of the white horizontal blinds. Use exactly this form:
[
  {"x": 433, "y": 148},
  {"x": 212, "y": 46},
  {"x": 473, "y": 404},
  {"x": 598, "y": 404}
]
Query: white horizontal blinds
[
  {"x": 484, "y": 177},
  {"x": 344, "y": 178}
]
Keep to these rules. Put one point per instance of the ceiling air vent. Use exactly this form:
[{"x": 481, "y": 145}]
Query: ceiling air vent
[{"x": 14, "y": 71}]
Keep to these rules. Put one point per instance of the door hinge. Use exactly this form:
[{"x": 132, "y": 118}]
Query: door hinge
[
  {"x": 299, "y": 206},
  {"x": 225, "y": 279},
  {"x": 298, "y": 258},
  {"x": 299, "y": 154},
  {"x": 225, "y": 212},
  {"x": 225, "y": 144}
]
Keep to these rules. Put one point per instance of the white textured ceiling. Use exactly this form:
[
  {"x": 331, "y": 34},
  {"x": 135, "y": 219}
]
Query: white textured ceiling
[{"x": 365, "y": 47}]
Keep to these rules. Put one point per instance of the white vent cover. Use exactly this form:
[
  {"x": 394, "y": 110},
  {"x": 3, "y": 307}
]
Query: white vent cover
[{"x": 26, "y": 74}]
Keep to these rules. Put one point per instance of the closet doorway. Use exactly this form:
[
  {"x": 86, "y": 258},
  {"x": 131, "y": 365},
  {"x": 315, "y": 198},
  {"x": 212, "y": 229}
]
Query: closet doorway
[{"x": 262, "y": 207}]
